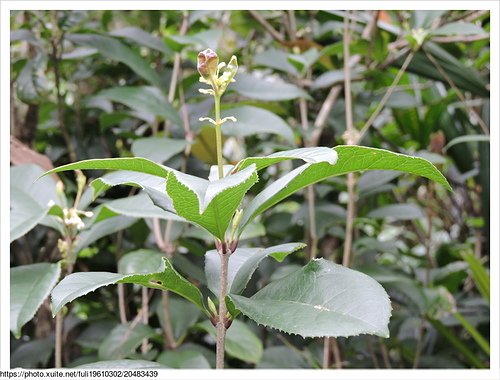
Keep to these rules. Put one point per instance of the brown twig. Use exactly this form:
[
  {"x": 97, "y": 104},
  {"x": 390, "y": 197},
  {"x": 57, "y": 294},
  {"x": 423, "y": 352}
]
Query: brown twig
[{"x": 262, "y": 21}]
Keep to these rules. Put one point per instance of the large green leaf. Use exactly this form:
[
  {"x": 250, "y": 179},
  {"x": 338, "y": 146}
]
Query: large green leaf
[
  {"x": 350, "y": 159},
  {"x": 397, "y": 212},
  {"x": 134, "y": 164},
  {"x": 321, "y": 299},
  {"x": 242, "y": 264},
  {"x": 28, "y": 203},
  {"x": 183, "y": 359},
  {"x": 112, "y": 48},
  {"x": 458, "y": 28},
  {"x": 254, "y": 121},
  {"x": 309, "y": 155},
  {"x": 142, "y": 37},
  {"x": 209, "y": 204},
  {"x": 29, "y": 286},
  {"x": 241, "y": 342},
  {"x": 157, "y": 149},
  {"x": 144, "y": 99},
  {"x": 140, "y": 261},
  {"x": 276, "y": 59},
  {"x": 122, "y": 341},
  {"x": 78, "y": 284},
  {"x": 262, "y": 89}
]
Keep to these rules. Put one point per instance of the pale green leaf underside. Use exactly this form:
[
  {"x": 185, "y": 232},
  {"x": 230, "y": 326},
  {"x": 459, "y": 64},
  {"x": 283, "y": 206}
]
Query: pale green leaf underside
[
  {"x": 350, "y": 159},
  {"x": 29, "y": 286},
  {"x": 78, "y": 284},
  {"x": 321, "y": 299},
  {"x": 134, "y": 164},
  {"x": 242, "y": 264},
  {"x": 209, "y": 204}
]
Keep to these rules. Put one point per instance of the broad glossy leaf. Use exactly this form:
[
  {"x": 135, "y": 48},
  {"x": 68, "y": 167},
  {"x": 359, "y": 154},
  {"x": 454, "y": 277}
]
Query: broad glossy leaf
[
  {"x": 33, "y": 353},
  {"x": 142, "y": 37},
  {"x": 321, "y": 299},
  {"x": 78, "y": 284},
  {"x": 202, "y": 40},
  {"x": 276, "y": 59},
  {"x": 122, "y": 364},
  {"x": 114, "y": 49},
  {"x": 147, "y": 99},
  {"x": 184, "y": 359},
  {"x": 242, "y": 264},
  {"x": 266, "y": 88},
  {"x": 29, "y": 286},
  {"x": 397, "y": 212},
  {"x": 123, "y": 340},
  {"x": 28, "y": 203},
  {"x": 241, "y": 342},
  {"x": 140, "y": 261},
  {"x": 350, "y": 159},
  {"x": 254, "y": 121},
  {"x": 209, "y": 204},
  {"x": 157, "y": 149}
]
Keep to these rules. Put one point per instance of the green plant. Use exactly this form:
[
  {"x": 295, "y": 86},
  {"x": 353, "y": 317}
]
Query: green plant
[{"x": 321, "y": 299}]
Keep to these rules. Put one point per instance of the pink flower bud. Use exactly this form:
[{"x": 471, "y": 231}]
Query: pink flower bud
[{"x": 207, "y": 63}]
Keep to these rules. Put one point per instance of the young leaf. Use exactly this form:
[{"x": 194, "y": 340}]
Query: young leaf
[
  {"x": 209, "y": 204},
  {"x": 350, "y": 159},
  {"x": 321, "y": 299},
  {"x": 242, "y": 264},
  {"x": 29, "y": 286},
  {"x": 78, "y": 284}
]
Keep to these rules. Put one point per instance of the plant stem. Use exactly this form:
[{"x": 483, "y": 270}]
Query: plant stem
[
  {"x": 221, "y": 327},
  {"x": 218, "y": 135},
  {"x": 58, "y": 340}
]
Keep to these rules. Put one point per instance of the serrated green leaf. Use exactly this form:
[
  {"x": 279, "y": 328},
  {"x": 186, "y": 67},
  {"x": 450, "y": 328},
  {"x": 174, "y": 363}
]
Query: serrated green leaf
[
  {"x": 241, "y": 342},
  {"x": 253, "y": 121},
  {"x": 78, "y": 284},
  {"x": 134, "y": 164},
  {"x": 242, "y": 264},
  {"x": 123, "y": 340},
  {"x": 309, "y": 155},
  {"x": 262, "y": 89},
  {"x": 350, "y": 159},
  {"x": 146, "y": 99},
  {"x": 321, "y": 299},
  {"x": 114, "y": 49},
  {"x": 29, "y": 286},
  {"x": 209, "y": 204}
]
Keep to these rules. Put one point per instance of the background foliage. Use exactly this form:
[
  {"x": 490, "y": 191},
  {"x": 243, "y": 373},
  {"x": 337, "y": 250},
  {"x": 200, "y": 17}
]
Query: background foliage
[{"x": 88, "y": 84}]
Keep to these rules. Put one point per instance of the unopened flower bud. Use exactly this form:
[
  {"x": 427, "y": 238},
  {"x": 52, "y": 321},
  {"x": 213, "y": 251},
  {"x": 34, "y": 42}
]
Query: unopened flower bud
[{"x": 208, "y": 63}]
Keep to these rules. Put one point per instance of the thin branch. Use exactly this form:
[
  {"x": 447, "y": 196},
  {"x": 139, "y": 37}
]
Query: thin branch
[
  {"x": 387, "y": 95},
  {"x": 262, "y": 21},
  {"x": 293, "y": 25},
  {"x": 454, "y": 39},
  {"x": 460, "y": 95}
]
